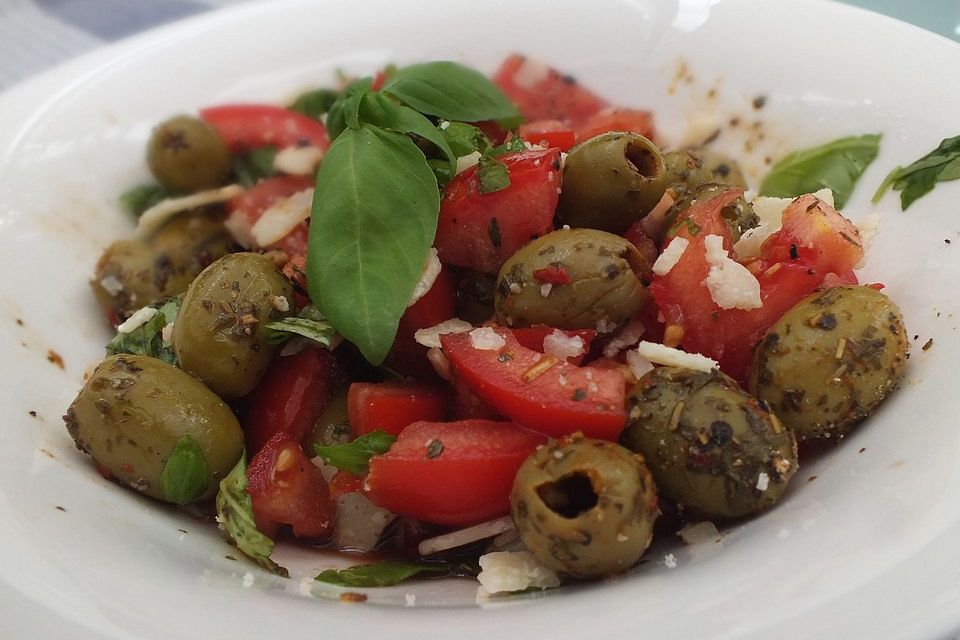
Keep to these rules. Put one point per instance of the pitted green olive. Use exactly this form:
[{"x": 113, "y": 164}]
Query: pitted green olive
[
  {"x": 829, "y": 361},
  {"x": 572, "y": 279},
  {"x": 219, "y": 335},
  {"x": 739, "y": 216},
  {"x": 692, "y": 166},
  {"x": 132, "y": 412},
  {"x": 187, "y": 154},
  {"x": 712, "y": 448},
  {"x": 611, "y": 181},
  {"x": 584, "y": 507}
]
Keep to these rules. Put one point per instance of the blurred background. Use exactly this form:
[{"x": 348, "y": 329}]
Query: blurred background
[{"x": 38, "y": 34}]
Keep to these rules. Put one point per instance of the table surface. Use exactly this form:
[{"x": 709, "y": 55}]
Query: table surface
[{"x": 38, "y": 34}]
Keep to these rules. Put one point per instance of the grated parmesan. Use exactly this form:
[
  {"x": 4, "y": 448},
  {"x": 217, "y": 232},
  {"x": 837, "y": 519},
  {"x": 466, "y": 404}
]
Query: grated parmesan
[
  {"x": 639, "y": 366},
  {"x": 298, "y": 161},
  {"x": 560, "y": 345},
  {"x": 763, "y": 481},
  {"x": 628, "y": 336},
  {"x": 166, "y": 334},
  {"x": 662, "y": 354},
  {"x": 503, "y": 571},
  {"x": 531, "y": 73},
  {"x": 111, "y": 284},
  {"x": 281, "y": 218},
  {"x": 731, "y": 284},
  {"x": 670, "y": 256},
  {"x": 698, "y": 532},
  {"x": 430, "y": 337},
  {"x": 136, "y": 320},
  {"x": 427, "y": 277},
  {"x": 486, "y": 339},
  {"x": 466, "y": 536},
  {"x": 160, "y": 213},
  {"x": 467, "y": 161}
]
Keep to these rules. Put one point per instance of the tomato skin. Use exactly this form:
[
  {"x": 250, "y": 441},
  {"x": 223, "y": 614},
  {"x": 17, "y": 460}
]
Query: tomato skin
[
  {"x": 248, "y": 126},
  {"x": 532, "y": 338},
  {"x": 344, "y": 482},
  {"x": 245, "y": 209},
  {"x": 438, "y": 304},
  {"x": 390, "y": 407},
  {"x": 286, "y": 488},
  {"x": 634, "y": 120},
  {"x": 549, "y": 133},
  {"x": 290, "y": 398},
  {"x": 561, "y": 400},
  {"x": 551, "y": 96},
  {"x": 468, "y": 482},
  {"x": 481, "y": 231}
]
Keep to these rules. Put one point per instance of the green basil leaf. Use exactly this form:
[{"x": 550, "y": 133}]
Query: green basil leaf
[
  {"x": 463, "y": 138},
  {"x": 251, "y": 168},
  {"x": 492, "y": 175},
  {"x": 836, "y": 165},
  {"x": 379, "y": 110},
  {"x": 452, "y": 91},
  {"x": 184, "y": 476},
  {"x": 309, "y": 323},
  {"x": 441, "y": 171},
  {"x": 147, "y": 339},
  {"x": 337, "y": 117},
  {"x": 235, "y": 515},
  {"x": 381, "y": 574},
  {"x": 920, "y": 177},
  {"x": 141, "y": 198},
  {"x": 374, "y": 217},
  {"x": 314, "y": 104},
  {"x": 513, "y": 145},
  {"x": 355, "y": 456}
]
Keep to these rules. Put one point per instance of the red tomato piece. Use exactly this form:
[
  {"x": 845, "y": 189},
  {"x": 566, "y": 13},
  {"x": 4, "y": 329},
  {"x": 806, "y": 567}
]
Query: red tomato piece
[
  {"x": 634, "y": 120},
  {"x": 344, "y": 482},
  {"x": 438, "y": 304},
  {"x": 390, "y": 407},
  {"x": 638, "y": 237},
  {"x": 840, "y": 279},
  {"x": 549, "y": 133},
  {"x": 245, "y": 209},
  {"x": 532, "y": 338},
  {"x": 553, "y": 274},
  {"x": 290, "y": 398},
  {"x": 248, "y": 126},
  {"x": 481, "y": 231},
  {"x": 467, "y": 480},
  {"x": 539, "y": 392},
  {"x": 467, "y": 406},
  {"x": 543, "y": 93},
  {"x": 287, "y": 489}
]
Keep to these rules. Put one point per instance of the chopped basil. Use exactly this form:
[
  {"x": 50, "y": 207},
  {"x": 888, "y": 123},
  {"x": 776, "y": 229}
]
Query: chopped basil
[
  {"x": 836, "y": 165},
  {"x": 381, "y": 574},
  {"x": 141, "y": 198},
  {"x": 464, "y": 138},
  {"x": 920, "y": 177},
  {"x": 314, "y": 104},
  {"x": 355, "y": 456},
  {"x": 492, "y": 175},
  {"x": 253, "y": 167},
  {"x": 309, "y": 323},
  {"x": 147, "y": 339},
  {"x": 184, "y": 476},
  {"x": 513, "y": 145}
]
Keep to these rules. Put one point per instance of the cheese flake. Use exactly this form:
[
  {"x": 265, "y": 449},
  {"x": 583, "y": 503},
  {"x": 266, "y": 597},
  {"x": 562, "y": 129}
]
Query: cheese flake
[
  {"x": 731, "y": 284},
  {"x": 662, "y": 354},
  {"x": 298, "y": 161},
  {"x": 503, "y": 571},
  {"x": 486, "y": 339},
  {"x": 427, "y": 277},
  {"x": 560, "y": 345},
  {"x": 161, "y": 213},
  {"x": 282, "y": 218},
  {"x": 136, "y": 320},
  {"x": 670, "y": 256},
  {"x": 430, "y": 337}
]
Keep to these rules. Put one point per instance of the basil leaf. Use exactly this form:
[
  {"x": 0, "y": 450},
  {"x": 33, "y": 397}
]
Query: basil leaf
[
  {"x": 836, "y": 165},
  {"x": 381, "y": 574},
  {"x": 309, "y": 323},
  {"x": 441, "y": 171},
  {"x": 374, "y": 217},
  {"x": 252, "y": 167},
  {"x": 452, "y": 91},
  {"x": 492, "y": 175},
  {"x": 147, "y": 339},
  {"x": 314, "y": 104},
  {"x": 464, "y": 138},
  {"x": 337, "y": 117},
  {"x": 184, "y": 476},
  {"x": 377, "y": 109},
  {"x": 920, "y": 177},
  {"x": 513, "y": 145},
  {"x": 141, "y": 198},
  {"x": 355, "y": 456},
  {"x": 235, "y": 515}
]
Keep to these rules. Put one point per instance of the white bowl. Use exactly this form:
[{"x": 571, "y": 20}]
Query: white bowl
[{"x": 868, "y": 549}]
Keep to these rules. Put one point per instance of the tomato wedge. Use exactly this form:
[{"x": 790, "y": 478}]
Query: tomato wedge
[
  {"x": 245, "y": 209},
  {"x": 539, "y": 392},
  {"x": 532, "y": 338},
  {"x": 451, "y": 473},
  {"x": 482, "y": 230},
  {"x": 543, "y": 93},
  {"x": 438, "y": 304},
  {"x": 549, "y": 133},
  {"x": 634, "y": 120},
  {"x": 344, "y": 482},
  {"x": 248, "y": 126},
  {"x": 390, "y": 407}
]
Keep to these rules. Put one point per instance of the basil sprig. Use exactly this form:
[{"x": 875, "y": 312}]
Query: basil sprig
[
  {"x": 147, "y": 339},
  {"x": 836, "y": 165},
  {"x": 252, "y": 167},
  {"x": 355, "y": 456},
  {"x": 381, "y": 574},
  {"x": 309, "y": 323},
  {"x": 184, "y": 476},
  {"x": 920, "y": 177}
]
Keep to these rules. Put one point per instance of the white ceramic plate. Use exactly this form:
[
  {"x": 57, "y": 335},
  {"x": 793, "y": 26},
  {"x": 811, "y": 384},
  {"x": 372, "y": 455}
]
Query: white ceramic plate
[{"x": 868, "y": 549}]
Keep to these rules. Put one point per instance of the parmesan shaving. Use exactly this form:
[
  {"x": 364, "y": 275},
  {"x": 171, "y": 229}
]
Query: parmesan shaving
[
  {"x": 560, "y": 345},
  {"x": 628, "y": 336},
  {"x": 427, "y": 277},
  {"x": 503, "y": 571},
  {"x": 430, "y": 337},
  {"x": 699, "y": 532},
  {"x": 462, "y": 537},
  {"x": 731, "y": 284},
  {"x": 486, "y": 339},
  {"x": 639, "y": 365},
  {"x": 467, "y": 161},
  {"x": 670, "y": 256},
  {"x": 282, "y": 218},
  {"x": 139, "y": 317},
  {"x": 662, "y": 354},
  {"x": 531, "y": 73},
  {"x": 161, "y": 213},
  {"x": 298, "y": 161}
]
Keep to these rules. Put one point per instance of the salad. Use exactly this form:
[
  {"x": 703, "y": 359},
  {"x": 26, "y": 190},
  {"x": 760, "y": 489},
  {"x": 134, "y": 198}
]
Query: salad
[{"x": 478, "y": 326}]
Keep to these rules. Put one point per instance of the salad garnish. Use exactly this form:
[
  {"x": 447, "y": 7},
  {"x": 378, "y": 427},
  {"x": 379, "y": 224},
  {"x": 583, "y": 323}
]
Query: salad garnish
[{"x": 920, "y": 177}]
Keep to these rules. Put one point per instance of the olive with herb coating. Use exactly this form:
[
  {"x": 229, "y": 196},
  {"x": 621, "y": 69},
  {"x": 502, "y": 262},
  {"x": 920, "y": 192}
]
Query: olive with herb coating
[
  {"x": 155, "y": 428},
  {"x": 584, "y": 507},
  {"x": 572, "y": 279},
  {"x": 132, "y": 273},
  {"x": 692, "y": 166},
  {"x": 219, "y": 335},
  {"x": 611, "y": 181},
  {"x": 739, "y": 215},
  {"x": 712, "y": 449},
  {"x": 829, "y": 361},
  {"x": 187, "y": 154}
]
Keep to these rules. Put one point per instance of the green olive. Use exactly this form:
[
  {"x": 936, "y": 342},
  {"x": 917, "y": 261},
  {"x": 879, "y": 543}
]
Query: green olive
[
  {"x": 131, "y": 273},
  {"x": 219, "y": 335},
  {"x": 611, "y": 181},
  {"x": 584, "y": 507},
  {"x": 739, "y": 216},
  {"x": 132, "y": 412},
  {"x": 333, "y": 425},
  {"x": 829, "y": 361},
  {"x": 713, "y": 449},
  {"x": 603, "y": 288},
  {"x": 187, "y": 154},
  {"x": 692, "y": 166}
]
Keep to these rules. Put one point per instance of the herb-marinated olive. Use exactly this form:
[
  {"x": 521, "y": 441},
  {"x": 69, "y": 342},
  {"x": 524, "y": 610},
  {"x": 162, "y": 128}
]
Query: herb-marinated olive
[
  {"x": 572, "y": 279},
  {"x": 739, "y": 216},
  {"x": 155, "y": 428},
  {"x": 131, "y": 274},
  {"x": 611, "y": 181},
  {"x": 692, "y": 166},
  {"x": 712, "y": 448},
  {"x": 584, "y": 507},
  {"x": 830, "y": 360},
  {"x": 187, "y": 154},
  {"x": 219, "y": 334}
]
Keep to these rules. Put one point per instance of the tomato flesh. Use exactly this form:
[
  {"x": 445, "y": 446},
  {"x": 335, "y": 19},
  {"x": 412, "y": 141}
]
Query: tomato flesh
[
  {"x": 467, "y": 480},
  {"x": 245, "y": 209},
  {"x": 390, "y": 407},
  {"x": 549, "y": 133},
  {"x": 633, "y": 120},
  {"x": 248, "y": 126},
  {"x": 344, "y": 482},
  {"x": 438, "y": 304},
  {"x": 543, "y": 93}
]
